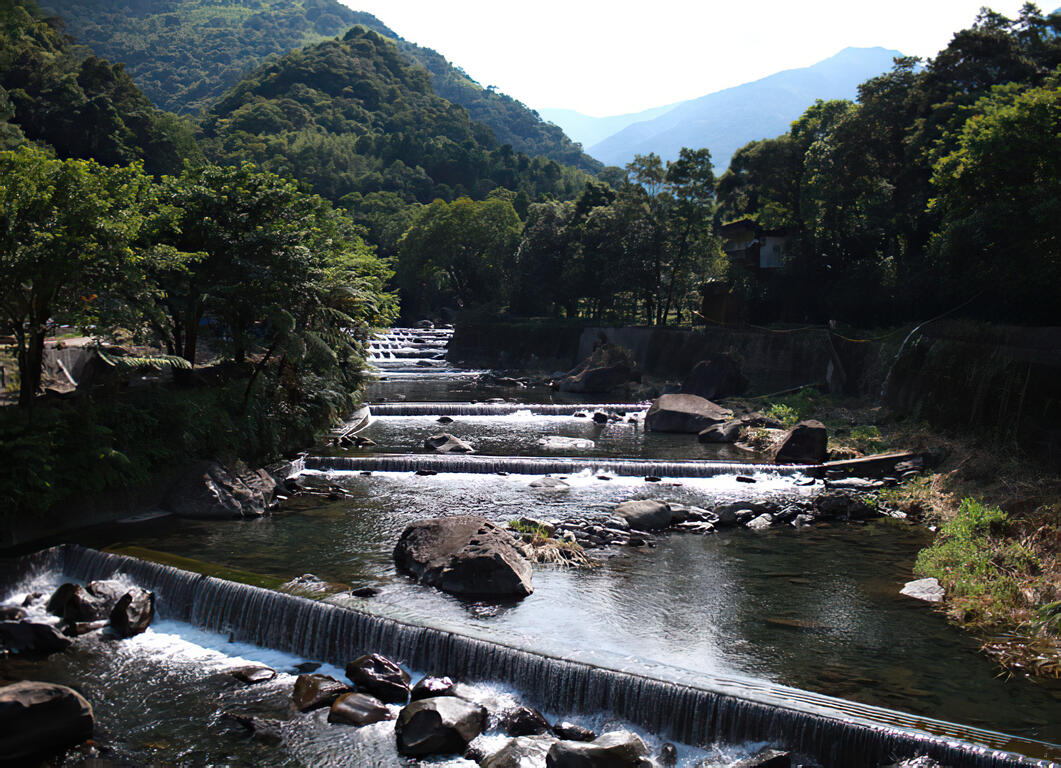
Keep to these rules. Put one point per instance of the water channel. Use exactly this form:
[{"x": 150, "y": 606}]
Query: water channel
[{"x": 816, "y": 608}]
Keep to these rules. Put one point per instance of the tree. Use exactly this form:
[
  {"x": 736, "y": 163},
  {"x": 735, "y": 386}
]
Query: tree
[
  {"x": 998, "y": 196},
  {"x": 465, "y": 245},
  {"x": 66, "y": 229}
]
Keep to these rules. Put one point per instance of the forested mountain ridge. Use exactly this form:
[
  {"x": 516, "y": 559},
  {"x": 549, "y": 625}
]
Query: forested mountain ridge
[
  {"x": 360, "y": 125},
  {"x": 186, "y": 56},
  {"x": 59, "y": 94}
]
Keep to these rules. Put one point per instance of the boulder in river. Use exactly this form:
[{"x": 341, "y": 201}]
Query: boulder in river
[
  {"x": 316, "y": 691},
  {"x": 719, "y": 376},
  {"x": 31, "y": 638},
  {"x": 766, "y": 758},
  {"x": 726, "y": 432},
  {"x": 41, "y": 719},
  {"x": 253, "y": 674},
  {"x": 520, "y": 752},
  {"x": 571, "y": 732},
  {"x": 684, "y": 413},
  {"x": 645, "y": 514},
  {"x": 929, "y": 590},
  {"x": 805, "y": 443},
  {"x": 133, "y": 612},
  {"x": 560, "y": 443},
  {"x": 609, "y": 367},
  {"x": 358, "y": 709},
  {"x": 618, "y": 749},
  {"x": 464, "y": 555},
  {"x": 429, "y": 687},
  {"x": 209, "y": 491},
  {"x": 444, "y": 442},
  {"x": 439, "y": 726},
  {"x": 381, "y": 677},
  {"x": 73, "y": 603},
  {"x": 523, "y": 721}
]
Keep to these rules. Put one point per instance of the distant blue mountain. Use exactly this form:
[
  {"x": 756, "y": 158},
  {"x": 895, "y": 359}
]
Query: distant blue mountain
[{"x": 726, "y": 120}]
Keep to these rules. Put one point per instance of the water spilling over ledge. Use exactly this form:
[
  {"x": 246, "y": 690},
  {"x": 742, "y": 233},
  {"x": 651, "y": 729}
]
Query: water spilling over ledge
[
  {"x": 709, "y": 709},
  {"x": 499, "y": 409},
  {"x": 533, "y": 465}
]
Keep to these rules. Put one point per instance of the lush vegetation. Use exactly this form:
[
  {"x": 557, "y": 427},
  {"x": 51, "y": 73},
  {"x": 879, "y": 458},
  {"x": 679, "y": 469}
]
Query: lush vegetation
[
  {"x": 81, "y": 105},
  {"x": 939, "y": 187},
  {"x": 186, "y": 54}
]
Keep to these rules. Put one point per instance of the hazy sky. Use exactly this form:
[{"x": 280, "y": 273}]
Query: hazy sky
[{"x": 605, "y": 57}]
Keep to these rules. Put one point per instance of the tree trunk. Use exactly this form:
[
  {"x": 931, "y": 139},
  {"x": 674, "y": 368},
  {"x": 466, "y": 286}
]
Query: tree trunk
[
  {"x": 191, "y": 330},
  {"x": 30, "y": 363}
]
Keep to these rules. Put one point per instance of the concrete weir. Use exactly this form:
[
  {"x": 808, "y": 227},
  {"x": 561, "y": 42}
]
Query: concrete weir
[{"x": 686, "y": 707}]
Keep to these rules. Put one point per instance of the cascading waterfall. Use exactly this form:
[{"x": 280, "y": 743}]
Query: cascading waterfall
[
  {"x": 408, "y": 345},
  {"x": 534, "y": 465},
  {"x": 833, "y": 731},
  {"x": 500, "y": 409}
]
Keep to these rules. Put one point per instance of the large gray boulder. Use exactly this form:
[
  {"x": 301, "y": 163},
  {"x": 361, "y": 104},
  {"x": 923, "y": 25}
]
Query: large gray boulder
[
  {"x": 645, "y": 514},
  {"x": 684, "y": 413},
  {"x": 805, "y": 443},
  {"x": 464, "y": 555},
  {"x": 438, "y": 726},
  {"x": 609, "y": 367},
  {"x": 41, "y": 719},
  {"x": 619, "y": 749},
  {"x": 929, "y": 590},
  {"x": 720, "y": 376},
  {"x": 447, "y": 443},
  {"x": 209, "y": 491}
]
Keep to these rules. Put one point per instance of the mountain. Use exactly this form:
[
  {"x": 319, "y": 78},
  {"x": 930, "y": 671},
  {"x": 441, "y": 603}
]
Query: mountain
[
  {"x": 185, "y": 54},
  {"x": 353, "y": 117},
  {"x": 726, "y": 120},
  {"x": 56, "y": 93},
  {"x": 588, "y": 130}
]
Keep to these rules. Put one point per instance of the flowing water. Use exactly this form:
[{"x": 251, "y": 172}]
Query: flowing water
[{"x": 816, "y": 608}]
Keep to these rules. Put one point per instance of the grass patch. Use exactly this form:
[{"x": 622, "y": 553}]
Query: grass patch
[{"x": 985, "y": 570}]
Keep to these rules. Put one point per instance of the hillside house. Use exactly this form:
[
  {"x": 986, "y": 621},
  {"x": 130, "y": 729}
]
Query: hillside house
[{"x": 747, "y": 244}]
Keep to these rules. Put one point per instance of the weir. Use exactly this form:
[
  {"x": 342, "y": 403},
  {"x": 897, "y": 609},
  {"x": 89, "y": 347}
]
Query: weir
[
  {"x": 708, "y": 710},
  {"x": 500, "y": 409},
  {"x": 534, "y": 465}
]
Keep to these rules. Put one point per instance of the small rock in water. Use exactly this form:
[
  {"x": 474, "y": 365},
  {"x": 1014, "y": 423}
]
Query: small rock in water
[
  {"x": 366, "y": 473},
  {"x": 653, "y": 479},
  {"x": 443, "y": 725},
  {"x": 761, "y": 523},
  {"x": 445, "y": 420},
  {"x": 765, "y": 758},
  {"x": 258, "y": 728},
  {"x": 745, "y": 479},
  {"x": 133, "y": 612},
  {"x": 425, "y": 472},
  {"x": 929, "y": 590},
  {"x": 429, "y": 687},
  {"x": 600, "y": 417},
  {"x": 619, "y": 749},
  {"x": 307, "y": 667},
  {"x": 571, "y": 732},
  {"x": 381, "y": 677},
  {"x": 358, "y": 709},
  {"x": 364, "y": 592},
  {"x": 316, "y": 691},
  {"x": 668, "y": 754},
  {"x": 523, "y": 721},
  {"x": 549, "y": 482},
  {"x": 252, "y": 675}
]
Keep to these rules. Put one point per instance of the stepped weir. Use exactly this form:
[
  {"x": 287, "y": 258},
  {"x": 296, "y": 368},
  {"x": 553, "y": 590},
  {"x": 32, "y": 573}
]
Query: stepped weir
[
  {"x": 708, "y": 710},
  {"x": 499, "y": 409},
  {"x": 541, "y": 465}
]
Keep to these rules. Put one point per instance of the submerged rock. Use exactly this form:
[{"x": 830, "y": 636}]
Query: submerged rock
[
  {"x": 358, "y": 709},
  {"x": 381, "y": 677},
  {"x": 557, "y": 442},
  {"x": 464, "y": 555},
  {"x": 619, "y": 749},
  {"x": 442, "y": 725},
  {"x": 253, "y": 675},
  {"x": 41, "y": 719},
  {"x": 260, "y": 729},
  {"x": 684, "y": 413},
  {"x": 554, "y": 483},
  {"x": 805, "y": 443},
  {"x": 766, "y": 758},
  {"x": 133, "y": 612}
]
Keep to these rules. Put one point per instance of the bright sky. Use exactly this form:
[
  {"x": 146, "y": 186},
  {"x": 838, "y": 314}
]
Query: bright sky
[{"x": 606, "y": 57}]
